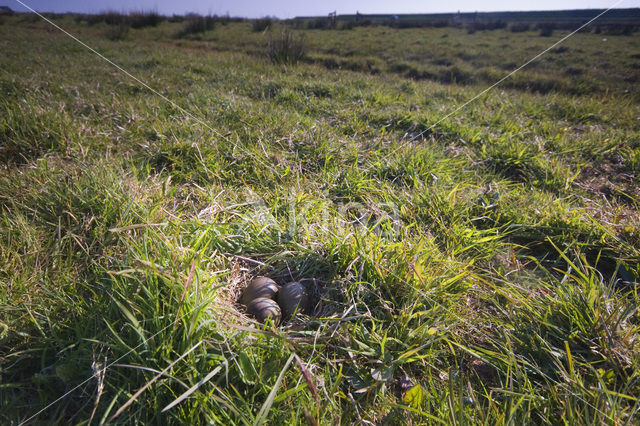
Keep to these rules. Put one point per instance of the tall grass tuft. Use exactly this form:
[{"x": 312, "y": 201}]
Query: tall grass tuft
[
  {"x": 287, "y": 48},
  {"x": 262, "y": 24}
]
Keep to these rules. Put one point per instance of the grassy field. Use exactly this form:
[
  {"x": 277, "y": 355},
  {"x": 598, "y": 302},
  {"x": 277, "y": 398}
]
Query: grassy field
[{"x": 476, "y": 269}]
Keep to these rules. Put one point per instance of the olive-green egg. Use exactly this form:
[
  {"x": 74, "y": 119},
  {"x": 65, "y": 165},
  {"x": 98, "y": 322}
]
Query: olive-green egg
[
  {"x": 292, "y": 297},
  {"x": 259, "y": 287},
  {"x": 263, "y": 308}
]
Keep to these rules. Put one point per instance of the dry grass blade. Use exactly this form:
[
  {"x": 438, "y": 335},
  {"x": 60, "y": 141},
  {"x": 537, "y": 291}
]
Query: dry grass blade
[
  {"x": 306, "y": 374},
  {"x": 310, "y": 420},
  {"x": 99, "y": 370}
]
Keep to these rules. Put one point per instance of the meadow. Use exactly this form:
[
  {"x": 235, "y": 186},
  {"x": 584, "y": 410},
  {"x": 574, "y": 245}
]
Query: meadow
[{"x": 471, "y": 266}]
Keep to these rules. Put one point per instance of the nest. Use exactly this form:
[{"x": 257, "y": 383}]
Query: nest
[{"x": 322, "y": 298}]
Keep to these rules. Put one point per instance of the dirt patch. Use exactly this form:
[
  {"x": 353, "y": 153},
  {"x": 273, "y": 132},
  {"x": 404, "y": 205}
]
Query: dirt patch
[{"x": 611, "y": 179}]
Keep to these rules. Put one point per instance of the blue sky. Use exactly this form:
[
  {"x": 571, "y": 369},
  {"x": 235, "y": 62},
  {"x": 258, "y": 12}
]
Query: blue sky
[{"x": 291, "y": 8}]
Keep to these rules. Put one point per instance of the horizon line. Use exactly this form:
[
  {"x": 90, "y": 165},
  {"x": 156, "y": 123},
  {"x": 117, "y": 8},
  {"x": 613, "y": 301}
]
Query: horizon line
[{"x": 139, "y": 10}]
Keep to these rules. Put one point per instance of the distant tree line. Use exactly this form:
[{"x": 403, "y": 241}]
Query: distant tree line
[{"x": 616, "y": 22}]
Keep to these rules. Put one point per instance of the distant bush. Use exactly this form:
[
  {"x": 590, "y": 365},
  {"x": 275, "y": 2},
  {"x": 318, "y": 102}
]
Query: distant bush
[
  {"x": 197, "y": 24},
  {"x": 496, "y": 25},
  {"x": 287, "y": 48},
  {"x": 143, "y": 19},
  {"x": 109, "y": 17},
  {"x": 619, "y": 29},
  {"x": 628, "y": 29},
  {"x": 135, "y": 19},
  {"x": 546, "y": 29},
  {"x": 225, "y": 19},
  {"x": 262, "y": 24},
  {"x": 176, "y": 18},
  {"x": 519, "y": 28},
  {"x": 482, "y": 26}
]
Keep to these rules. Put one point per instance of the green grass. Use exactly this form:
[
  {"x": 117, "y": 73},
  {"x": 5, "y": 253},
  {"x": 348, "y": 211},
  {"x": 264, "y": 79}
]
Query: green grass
[{"x": 483, "y": 270}]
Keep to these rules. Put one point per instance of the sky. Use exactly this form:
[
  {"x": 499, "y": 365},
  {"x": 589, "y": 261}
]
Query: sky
[{"x": 292, "y": 8}]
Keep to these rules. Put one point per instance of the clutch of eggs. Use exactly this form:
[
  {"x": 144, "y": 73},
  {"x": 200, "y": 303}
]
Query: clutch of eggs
[{"x": 265, "y": 299}]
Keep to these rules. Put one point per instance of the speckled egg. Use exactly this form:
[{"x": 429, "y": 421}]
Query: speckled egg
[
  {"x": 259, "y": 287},
  {"x": 263, "y": 308},
  {"x": 293, "y": 296}
]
